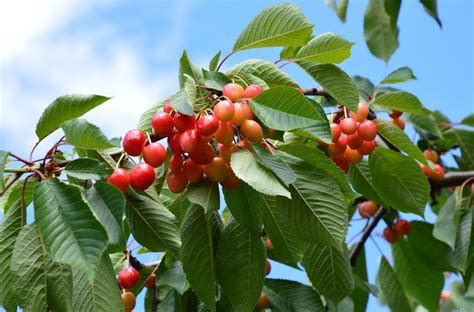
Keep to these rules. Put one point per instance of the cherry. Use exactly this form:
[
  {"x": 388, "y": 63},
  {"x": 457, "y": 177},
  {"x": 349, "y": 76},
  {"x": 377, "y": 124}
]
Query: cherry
[
  {"x": 252, "y": 91},
  {"x": 134, "y": 142},
  {"x": 233, "y": 91},
  {"x": 207, "y": 125},
  {"x": 167, "y": 108},
  {"x": 225, "y": 150},
  {"x": 231, "y": 181},
  {"x": 353, "y": 156},
  {"x": 427, "y": 171},
  {"x": 390, "y": 235},
  {"x": 203, "y": 155},
  {"x": 151, "y": 280},
  {"x": 437, "y": 173},
  {"x": 174, "y": 142},
  {"x": 183, "y": 122},
  {"x": 142, "y": 176},
  {"x": 335, "y": 131},
  {"x": 395, "y": 114},
  {"x": 162, "y": 123},
  {"x": 176, "y": 162},
  {"x": 348, "y": 126},
  {"x": 362, "y": 112},
  {"x": 368, "y": 208},
  {"x": 354, "y": 141},
  {"x": 217, "y": 170},
  {"x": 445, "y": 295},
  {"x": 224, "y": 110},
  {"x": 192, "y": 170},
  {"x": 154, "y": 154},
  {"x": 341, "y": 162},
  {"x": 129, "y": 301},
  {"x": 240, "y": 114},
  {"x": 128, "y": 278},
  {"x": 225, "y": 133},
  {"x": 431, "y": 155},
  {"x": 263, "y": 302},
  {"x": 366, "y": 147},
  {"x": 176, "y": 181},
  {"x": 252, "y": 131},
  {"x": 189, "y": 140},
  {"x": 268, "y": 268},
  {"x": 120, "y": 178},
  {"x": 339, "y": 147},
  {"x": 367, "y": 130},
  {"x": 402, "y": 227},
  {"x": 248, "y": 110},
  {"x": 244, "y": 144},
  {"x": 268, "y": 244},
  {"x": 399, "y": 123}
]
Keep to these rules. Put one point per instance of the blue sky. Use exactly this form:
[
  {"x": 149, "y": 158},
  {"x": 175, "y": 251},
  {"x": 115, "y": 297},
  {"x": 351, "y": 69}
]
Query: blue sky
[{"x": 130, "y": 49}]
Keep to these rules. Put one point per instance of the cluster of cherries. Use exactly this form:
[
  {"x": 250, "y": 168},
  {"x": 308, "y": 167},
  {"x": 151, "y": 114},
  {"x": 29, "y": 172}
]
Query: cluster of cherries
[
  {"x": 127, "y": 279},
  {"x": 352, "y": 138},
  {"x": 400, "y": 228},
  {"x": 229, "y": 123},
  {"x": 437, "y": 172}
]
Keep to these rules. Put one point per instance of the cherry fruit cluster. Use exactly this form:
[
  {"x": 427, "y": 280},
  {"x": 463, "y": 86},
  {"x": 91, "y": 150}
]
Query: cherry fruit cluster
[
  {"x": 400, "y": 228},
  {"x": 437, "y": 172},
  {"x": 127, "y": 279}
]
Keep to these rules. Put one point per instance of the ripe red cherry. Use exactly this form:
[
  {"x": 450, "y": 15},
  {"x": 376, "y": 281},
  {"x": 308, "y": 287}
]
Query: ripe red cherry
[
  {"x": 268, "y": 244},
  {"x": 162, "y": 123},
  {"x": 341, "y": 162},
  {"x": 183, "y": 122},
  {"x": 142, "y": 176},
  {"x": 224, "y": 110},
  {"x": 128, "y": 278},
  {"x": 134, "y": 142},
  {"x": 252, "y": 91},
  {"x": 399, "y": 123},
  {"x": 348, "y": 126},
  {"x": 248, "y": 110},
  {"x": 231, "y": 181},
  {"x": 390, "y": 235},
  {"x": 335, "y": 131},
  {"x": 263, "y": 302},
  {"x": 362, "y": 112},
  {"x": 203, "y": 155},
  {"x": 167, "y": 108},
  {"x": 217, "y": 170},
  {"x": 189, "y": 140},
  {"x": 240, "y": 114},
  {"x": 151, "y": 280},
  {"x": 402, "y": 227},
  {"x": 192, "y": 171},
  {"x": 233, "y": 91},
  {"x": 368, "y": 208},
  {"x": 128, "y": 300},
  {"x": 252, "y": 131},
  {"x": 367, "y": 147},
  {"x": 353, "y": 156},
  {"x": 431, "y": 155},
  {"x": 367, "y": 130},
  {"x": 207, "y": 125},
  {"x": 395, "y": 114},
  {"x": 120, "y": 178},
  {"x": 268, "y": 268},
  {"x": 437, "y": 173},
  {"x": 174, "y": 144},
  {"x": 339, "y": 147},
  {"x": 154, "y": 154},
  {"x": 427, "y": 171},
  {"x": 225, "y": 150},
  {"x": 176, "y": 162},
  {"x": 354, "y": 141},
  {"x": 177, "y": 181},
  {"x": 225, "y": 133}
]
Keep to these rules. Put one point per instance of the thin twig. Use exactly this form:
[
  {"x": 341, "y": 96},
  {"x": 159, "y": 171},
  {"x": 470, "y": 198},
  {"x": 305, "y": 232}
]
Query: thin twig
[
  {"x": 26, "y": 162},
  {"x": 224, "y": 59}
]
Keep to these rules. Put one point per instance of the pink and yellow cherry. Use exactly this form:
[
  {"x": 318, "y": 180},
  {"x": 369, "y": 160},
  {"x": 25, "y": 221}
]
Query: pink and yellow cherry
[
  {"x": 231, "y": 181},
  {"x": 252, "y": 91},
  {"x": 431, "y": 155},
  {"x": 192, "y": 170},
  {"x": 216, "y": 171},
  {"x": 367, "y": 130},
  {"x": 128, "y": 278},
  {"x": 353, "y": 156},
  {"x": 162, "y": 123},
  {"x": 224, "y": 110},
  {"x": 348, "y": 126},
  {"x": 154, "y": 154},
  {"x": 120, "y": 178},
  {"x": 134, "y": 142},
  {"x": 335, "y": 132},
  {"x": 368, "y": 209},
  {"x": 176, "y": 181},
  {"x": 142, "y": 176},
  {"x": 240, "y": 114},
  {"x": 362, "y": 112},
  {"x": 225, "y": 133},
  {"x": 207, "y": 125},
  {"x": 233, "y": 91},
  {"x": 174, "y": 142},
  {"x": 128, "y": 300},
  {"x": 183, "y": 122},
  {"x": 354, "y": 141},
  {"x": 247, "y": 110},
  {"x": 151, "y": 281},
  {"x": 390, "y": 235},
  {"x": 176, "y": 162},
  {"x": 203, "y": 154},
  {"x": 399, "y": 123},
  {"x": 402, "y": 227},
  {"x": 189, "y": 140},
  {"x": 252, "y": 131},
  {"x": 366, "y": 148}
]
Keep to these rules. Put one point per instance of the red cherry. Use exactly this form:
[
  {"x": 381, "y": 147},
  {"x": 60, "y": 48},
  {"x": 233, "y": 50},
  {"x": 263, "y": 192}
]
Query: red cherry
[
  {"x": 395, "y": 114},
  {"x": 174, "y": 142},
  {"x": 142, "y": 176},
  {"x": 248, "y": 110},
  {"x": 128, "y": 278},
  {"x": 231, "y": 181},
  {"x": 252, "y": 91},
  {"x": 207, "y": 125},
  {"x": 431, "y": 155},
  {"x": 399, "y": 123},
  {"x": 268, "y": 268},
  {"x": 367, "y": 147},
  {"x": 362, "y": 112},
  {"x": 240, "y": 114},
  {"x": 268, "y": 244},
  {"x": 176, "y": 162},
  {"x": 192, "y": 170},
  {"x": 167, "y": 108},
  {"x": 225, "y": 133},
  {"x": 233, "y": 91},
  {"x": 189, "y": 140},
  {"x": 335, "y": 131},
  {"x": 368, "y": 208},
  {"x": 162, "y": 123},
  {"x": 252, "y": 131},
  {"x": 427, "y": 171},
  {"x": 120, "y": 178},
  {"x": 367, "y": 130},
  {"x": 225, "y": 150},
  {"x": 353, "y": 156},
  {"x": 354, "y": 141},
  {"x": 203, "y": 155},
  {"x": 224, "y": 110},
  {"x": 437, "y": 173},
  {"x": 263, "y": 302},
  {"x": 390, "y": 235},
  {"x": 134, "y": 142},
  {"x": 217, "y": 170},
  {"x": 341, "y": 162},
  {"x": 402, "y": 227},
  {"x": 151, "y": 281},
  {"x": 348, "y": 126},
  {"x": 339, "y": 147},
  {"x": 154, "y": 154},
  {"x": 176, "y": 181},
  {"x": 183, "y": 122}
]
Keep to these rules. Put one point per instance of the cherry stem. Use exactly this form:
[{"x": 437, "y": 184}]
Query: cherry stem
[
  {"x": 376, "y": 245},
  {"x": 123, "y": 155},
  {"x": 283, "y": 65},
  {"x": 224, "y": 59},
  {"x": 26, "y": 162},
  {"x": 33, "y": 149}
]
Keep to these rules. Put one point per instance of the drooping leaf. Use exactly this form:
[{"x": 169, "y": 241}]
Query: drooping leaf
[
  {"x": 325, "y": 48},
  {"x": 214, "y": 61},
  {"x": 245, "y": 205},
  {"x": 204, "y": 193},
  {"x": 463, "y": 251},
  {"x": 189, "y": 88},
  {"x": 426, "y": 124},
  {"x": 362, "y": 181},
  {"x": 401, "y": 101},
  {"x": 70, "y": 232},
  {"x": 279, "y": 25},
  {"x": 264, "y": 70},
  {"x": 197, "y": 254},
  {"x": 81, "y": 133},
  {"x": 392, "y": 7},
  {"x": 360, "y": 295},
  {"x": 446, "y": 225},
  {"x": 401, "y": 74},
  {"x": 66, "y": 108},
  {"x": 292, "y": 296},
  {"x": 244, "y": 252},
  {"x": 399, "y": 181},
  {"x": 215, "y": 80},
  {"x": 390, "y": 286},
  {"x": 329, "y": 271},
  {"x": 179, "y": 207},
  {"x": 87, "y": 169},
  {"x": 431, "y": 7},
  {"x": 180, "y": 103},
  {"x": 269, "y": 160},
  {"x": 174, "y": 277},
  {"x": 364, "y": 86},
  {"x": 14, "y": 192}
]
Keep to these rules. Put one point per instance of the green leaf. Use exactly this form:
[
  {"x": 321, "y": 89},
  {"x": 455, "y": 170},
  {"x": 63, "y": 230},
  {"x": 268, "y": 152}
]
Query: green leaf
[
  {"x": 145, "y": 119},
  {"x": 174, "y": 277},
  {"x": 289, "y": 52},
  {"x": 342, "y": 10},
  {"x": 215, "y": 80},
  {"x": 13, "y": 194},
  {"x": 292, "y": 296},
  {"x": 214, "y": 61},
  {"x": 3, "y": 163},
  {"x": 426, "y": 123},
  {"x": 399, "y": 139},
  {"x": 390, "y": 286},
  {"x": 240, "y": 265},
  {"x": 245, "y": 205},
  {"x": 101, "y": 294},
  {"x": 325, "y": 48},
  {"x": 329, "y": 271},
  {"x": 152, "y": 225},
  {"x": 466, "y": 143},
  {"x": 360, "y": 295},
  {"x": 197, "y": 254},
  {"x": 417, "y": 280},
  {"x": 365, "y": 85},
  {"x": 179, "y": 207},
  {"x": 468, "y": 120},
  {"x": 81, "y": 133},
  {"x": 10, "y": 227},
  {"x": 190, "y": 89},
  {"x": 399, "y": 181},
  {"x": 108, "y": 205},
  {"x": 65, "y": 108},
  {"x": 189, "y": 68},
  {"x": 392, "y": 7},
  {"x": 446, "y": 225},
  {"x": 180, "y": 103},
  {"x": 462, "y": 253},
  {"x": 279, "y": 25},
  {"x": 431, "y": 7},
  {"x": 246, "y": 168},
  {"x": 335, "y": 81},
  {"x": 378, "y": 32},
  {"x": 264, "y": 70},
  {"x": 401, "y": 74},
  {"x": 204, "y": 193},
  {"x": 269, "y": 160},
  {"x": 361, "y": 180},
  {"x": 401, "y": 101},
  {"x": 68, "y": 228},
  {"x": 87, "y": 169}
]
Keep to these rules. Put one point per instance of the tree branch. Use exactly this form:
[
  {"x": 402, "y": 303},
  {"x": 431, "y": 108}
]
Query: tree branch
[
  {"x": 316, "y": 92},
  {"x": 452, "y": 178}
]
